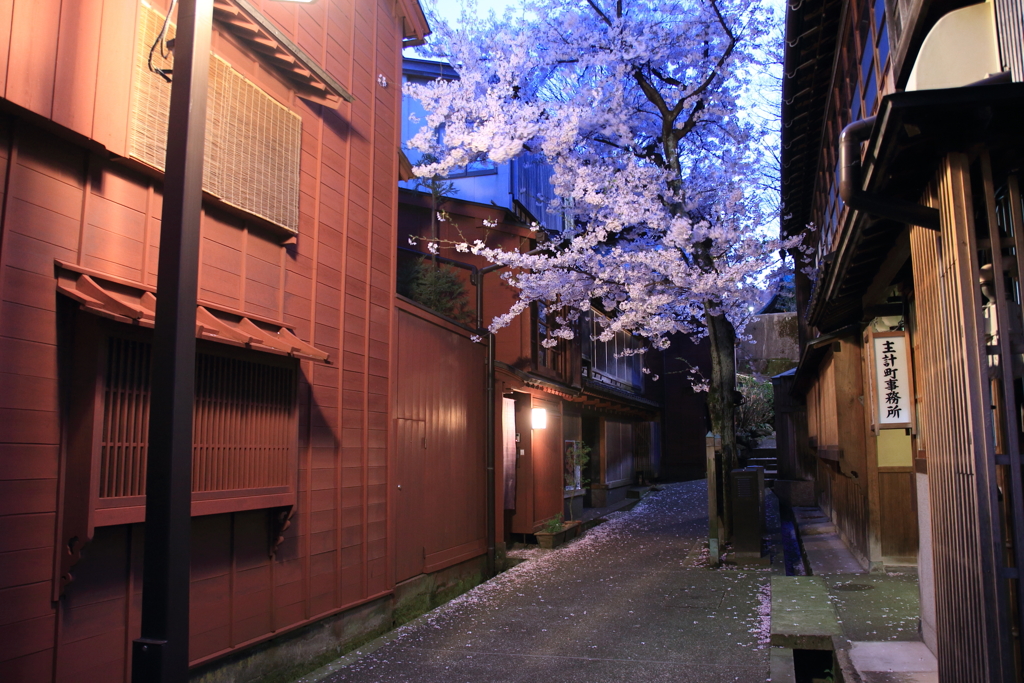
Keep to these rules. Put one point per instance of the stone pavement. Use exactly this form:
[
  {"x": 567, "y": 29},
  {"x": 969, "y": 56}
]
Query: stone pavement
[{"x": 632, "y": 600}]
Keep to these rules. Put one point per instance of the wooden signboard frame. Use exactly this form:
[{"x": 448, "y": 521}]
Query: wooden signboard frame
[{"x": 874, "y": 390}]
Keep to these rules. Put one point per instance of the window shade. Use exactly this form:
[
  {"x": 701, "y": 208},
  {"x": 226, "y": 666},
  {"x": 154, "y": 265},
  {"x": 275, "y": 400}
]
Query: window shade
[{"x": 253, "y": 143}]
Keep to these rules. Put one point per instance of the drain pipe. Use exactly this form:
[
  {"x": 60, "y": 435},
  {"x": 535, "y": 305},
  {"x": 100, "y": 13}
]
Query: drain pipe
[
  {"x": 489, "y": 483},
  {"x": 851, "y": 182}
]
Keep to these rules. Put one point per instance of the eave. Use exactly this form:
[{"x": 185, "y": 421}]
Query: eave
[
  {"x": 259, "y": 34},
  {"x": 508, "y": 222},
  {"x": 415, "y": 28},
  {"x": 814, "y": 353},
  {"x": 811, "y": 38},
  {"x": 592, "y": 395},
  {"x": 913, "y": 132}
]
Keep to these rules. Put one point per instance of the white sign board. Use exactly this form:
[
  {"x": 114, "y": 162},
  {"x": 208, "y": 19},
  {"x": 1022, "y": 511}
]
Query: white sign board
[{"x": 894, "y": 392}]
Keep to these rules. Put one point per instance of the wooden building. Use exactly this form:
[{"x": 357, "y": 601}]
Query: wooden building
[
  {"x": 305, "y": 518},
  {"x": 586, "y": 389},
  {"x": 902, "y": 144}
]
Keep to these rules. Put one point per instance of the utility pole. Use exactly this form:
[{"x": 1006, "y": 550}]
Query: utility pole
[{"x": 160, "y": 655}]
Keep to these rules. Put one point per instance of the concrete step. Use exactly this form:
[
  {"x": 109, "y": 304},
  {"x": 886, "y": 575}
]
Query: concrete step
[
  {"x": 638, "y": 492},
  {"x": 905, "y": 661},
  {"x": 803, "y": 617},
  {"x": 780, "y": 666},
  {"x": 817, "y": 529}
]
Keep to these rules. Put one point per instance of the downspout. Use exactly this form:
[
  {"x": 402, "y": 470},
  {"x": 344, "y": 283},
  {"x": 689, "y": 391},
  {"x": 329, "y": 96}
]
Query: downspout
[
  {"x": 851, "y": 182},
  {"x": 489, "y": 430}
]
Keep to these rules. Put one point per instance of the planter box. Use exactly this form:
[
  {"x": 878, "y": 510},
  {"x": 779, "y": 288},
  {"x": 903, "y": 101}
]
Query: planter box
[{"x": 553, "y": 539}]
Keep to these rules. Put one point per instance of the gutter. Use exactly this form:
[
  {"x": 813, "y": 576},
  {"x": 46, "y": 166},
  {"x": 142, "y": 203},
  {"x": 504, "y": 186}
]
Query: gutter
[
  {"x": 851, "y": 178},
  {"x": 851, "y": 182}
]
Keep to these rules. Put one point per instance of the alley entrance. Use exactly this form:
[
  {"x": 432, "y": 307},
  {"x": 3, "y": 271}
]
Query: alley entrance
[{"x": 630, "y": 601}]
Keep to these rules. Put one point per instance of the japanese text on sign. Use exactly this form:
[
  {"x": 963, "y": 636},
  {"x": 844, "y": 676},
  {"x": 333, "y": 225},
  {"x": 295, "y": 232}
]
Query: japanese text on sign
[{"x": 893, "y": 392}]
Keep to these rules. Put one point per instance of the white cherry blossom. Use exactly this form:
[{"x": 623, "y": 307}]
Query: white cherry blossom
[{"x": 636, "y": 106}]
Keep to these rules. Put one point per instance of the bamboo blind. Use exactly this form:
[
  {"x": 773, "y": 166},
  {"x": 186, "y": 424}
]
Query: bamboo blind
[
  {"x": 243, "y": 429},
  {"x": 253, "y": 143}
]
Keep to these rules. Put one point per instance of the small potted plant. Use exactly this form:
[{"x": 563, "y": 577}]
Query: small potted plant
[
  {"x": 552, "y": 534},
  {"x": 577, "y": 456}
]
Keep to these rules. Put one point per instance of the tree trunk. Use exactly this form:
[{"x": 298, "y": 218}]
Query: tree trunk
[
  {"x": 435, "y": 234},
  {"x": 722, "y": 405}
]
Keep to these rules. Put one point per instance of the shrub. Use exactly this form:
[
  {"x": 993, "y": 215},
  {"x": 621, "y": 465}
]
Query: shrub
[
  {"x": 755, "y": 416},
  {"x": 438, "y": 287}
]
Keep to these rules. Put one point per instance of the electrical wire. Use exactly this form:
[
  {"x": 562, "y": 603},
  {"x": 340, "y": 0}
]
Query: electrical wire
[{"x": 165, "y": 52}]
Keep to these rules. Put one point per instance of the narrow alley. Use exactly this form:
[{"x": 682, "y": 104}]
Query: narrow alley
[{"x": 631, "y": 600}]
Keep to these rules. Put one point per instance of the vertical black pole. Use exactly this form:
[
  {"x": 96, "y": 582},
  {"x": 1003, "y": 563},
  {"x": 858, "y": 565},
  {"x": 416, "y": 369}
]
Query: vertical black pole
[
  {"x": 491, "y": 482},
  {"x": 161, "y": 654},
  {"x": 489, "y": 453}
]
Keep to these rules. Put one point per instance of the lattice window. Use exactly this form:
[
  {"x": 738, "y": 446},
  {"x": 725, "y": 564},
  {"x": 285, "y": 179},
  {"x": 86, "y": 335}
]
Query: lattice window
[
  {"x": 253, "y": 143},
  {"x": 243, "y": 434},
  {"x": 619, "y": 451},
  {"x": 125, "y": 420},
  {"x": 616, "y": 360}
]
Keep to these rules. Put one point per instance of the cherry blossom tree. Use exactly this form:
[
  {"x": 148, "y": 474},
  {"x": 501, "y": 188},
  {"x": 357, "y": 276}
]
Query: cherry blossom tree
[{"x": 659, "y": 169}]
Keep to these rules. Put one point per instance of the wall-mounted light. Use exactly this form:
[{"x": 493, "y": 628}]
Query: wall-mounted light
[{"x": 540, "y": 418}]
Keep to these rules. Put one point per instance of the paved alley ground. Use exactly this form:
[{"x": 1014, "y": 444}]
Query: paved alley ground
[{"x": 629, "y": 601}]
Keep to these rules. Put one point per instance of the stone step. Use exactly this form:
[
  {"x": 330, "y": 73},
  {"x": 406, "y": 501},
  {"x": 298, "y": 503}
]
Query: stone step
[{"x": 905, "y": 661}]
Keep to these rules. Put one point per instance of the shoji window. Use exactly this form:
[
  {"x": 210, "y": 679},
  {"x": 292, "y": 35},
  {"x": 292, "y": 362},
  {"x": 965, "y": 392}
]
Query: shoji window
[{"x": 616, "y": 362}]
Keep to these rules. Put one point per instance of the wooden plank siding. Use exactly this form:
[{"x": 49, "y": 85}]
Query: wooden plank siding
[
  {"x": 835, "y": 418},
  {"x": 873, "y": 508},
  {"x": 439, "y": 417},
  {"x": 66, "y": 196}
]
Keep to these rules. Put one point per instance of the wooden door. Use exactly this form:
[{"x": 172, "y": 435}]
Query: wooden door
[
  {"x": 410, "y": 494},
  {"x": 509, "y": 450}
]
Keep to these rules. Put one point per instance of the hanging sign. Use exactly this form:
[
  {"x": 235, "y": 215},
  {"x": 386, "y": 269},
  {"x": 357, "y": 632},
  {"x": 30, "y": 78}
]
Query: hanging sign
[{"x": 893, "y": 387}]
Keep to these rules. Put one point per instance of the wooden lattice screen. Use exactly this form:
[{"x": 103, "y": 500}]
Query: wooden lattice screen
[
  {"x": 968, "y": 325},
  {"x": 253, "y": 143},
  {"x": 125, "y": 420},
  {"x": 243, "y": 428}
]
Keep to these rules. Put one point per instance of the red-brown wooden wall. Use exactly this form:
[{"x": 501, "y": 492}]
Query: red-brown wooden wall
[
  {"x": 69, "y": 62},
  {"x": 441, "y": 461}
]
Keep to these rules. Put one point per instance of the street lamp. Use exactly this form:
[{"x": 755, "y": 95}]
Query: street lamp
[{"x": 160, "y": 654}]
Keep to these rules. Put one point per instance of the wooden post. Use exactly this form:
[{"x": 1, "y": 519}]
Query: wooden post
[
  {"x": 160, "y": 654},
  {"x": 715, "y": 527}
]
